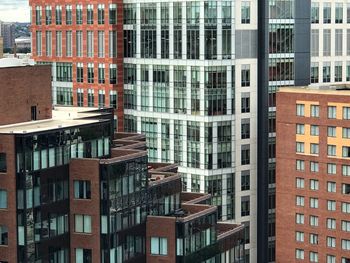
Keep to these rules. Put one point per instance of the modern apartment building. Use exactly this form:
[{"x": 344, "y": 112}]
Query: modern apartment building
[
  {"x": 73, "y": 191},
  {"x": 190, "y": 86},
  {"x": 312, "y": 184},
  {"x": 82, "y": 42}
]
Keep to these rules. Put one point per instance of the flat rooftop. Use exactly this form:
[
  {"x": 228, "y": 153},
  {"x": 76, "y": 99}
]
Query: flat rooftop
[
  {"x": 338, "y": 89},
  {"x": 62, "y": 117}
]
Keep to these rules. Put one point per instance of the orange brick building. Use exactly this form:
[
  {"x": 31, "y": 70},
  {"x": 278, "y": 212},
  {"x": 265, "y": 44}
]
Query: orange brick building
[
  {"x": 313, "y": 169},
  {"x": 82, "y": 42}
]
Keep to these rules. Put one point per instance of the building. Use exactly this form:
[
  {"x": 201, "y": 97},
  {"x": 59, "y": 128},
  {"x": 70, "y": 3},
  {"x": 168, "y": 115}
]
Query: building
[
  {"x": 312, "y": 183},
  {"x": 80, "y": 42},
  {"x": 187, "y": 81},
  {"x": 8, "y": 34},
  {"x": 71, "y": 190},
  {"x": 23, "y": 44}
]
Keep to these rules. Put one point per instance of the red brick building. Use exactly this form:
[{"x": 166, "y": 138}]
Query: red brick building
[
  {"x": 82, "y": 41},
  {"x": 313, "y": 169}
]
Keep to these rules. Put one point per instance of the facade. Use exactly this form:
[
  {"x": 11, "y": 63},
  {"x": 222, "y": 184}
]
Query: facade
[
  {"x": 190, "y": 86},
  {"x": 312, "y": 149},
  {"x": 82, "y": 43},
  {"x": 73, "y": 191}
]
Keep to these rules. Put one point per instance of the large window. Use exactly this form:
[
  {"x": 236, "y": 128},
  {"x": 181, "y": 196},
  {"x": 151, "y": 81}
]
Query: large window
[
  {"x": 82, "y": 224},
  {"x": 245, "y": 12},
  {"x": 3, "y": 235},
  {"x": 159, "y": 246},
  {"x": 82, "y": 189},
  {"x": 83, "y": 255},
  {"x": 3, "y": 199},
  {"x": 3, "y": 165}
]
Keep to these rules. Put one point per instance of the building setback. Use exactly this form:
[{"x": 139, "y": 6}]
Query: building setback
[
  {"x": 312, "y": 184},
  {"x": 72, "y": 190},
  {"x": 82, "y": 42}
]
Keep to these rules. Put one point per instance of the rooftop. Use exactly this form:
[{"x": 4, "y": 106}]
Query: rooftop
[
  {"x": 62, "y": 117},
  {"x": 339, "y": 89},
  {"x": 15, "y": 62}
]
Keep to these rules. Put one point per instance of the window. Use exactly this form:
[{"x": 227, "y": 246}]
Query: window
[
  {"x": 90, "y": 43},
  {"x": 69, "y": 44},
  {"x": 82, "y": 189},
  {"x": 245, "y": 154},
  {"x": 300, "y": 129},
  {"x": 58, "y": 15},
  {"x": 346, "y": 133},
  {"x": 327, "y": 13},
  {"x": 3, "y": 165},
  {"x": 338, "y": 13},
  {"x": 68, "y": 14},
  {"x": 101, "y": 44},
  {"x": 3, "y": 235},
  {"x": 300, "y": 201},
  {"x": 245, "y": 107},
  {"x": 314, "y": 72},
  {"x": 331, "y": 150},
  {"x": 90, "y": 14},
  {"x": 113, "y": 44},
  {"x": 345, "y": 226},
  {"x": 313, "y": 220},
  {"x": 331, "y": 223},
  {"x": 331, "y": 205},
  {"x": 300, "y": 110},
  {"x": 313, "y": 202},
  {"x": 79, "y": 14},
  {"x": 83, "y": 255},
  {"x": 313, "y": 239},
  {"x": 48, "y": 43},
  {"x": 331, "y": 131},
  {"x": 48, "y": 15},
  {"x": 79, "y": 43},
  {"x": 346, "y": 189},
  {"x": 299, "y": 236},
  {"x": 315, "y": 13},
  {"x": 299, "y": 219},
  {"x": 91, "y": 73},
  {"x": 101, "y": 73},
  {"x": 80, "y": 97},
  {"x": 90, "y": 98},
  {"x": 331, "y": 187},
  {"x": 101, "y": 98},
  {"x": 159, "y": 246},
  {"x": 313, "y": 257},
  {"x": 313, "y": 184},
  {"x": 245, "y": 129},
  {"x": 346, "y": 170},
  {"x": 300, "y": 147},
  {"x": 82, "y": 223},
  {"x": 3, "y": 199},
  {"x": 314, "y": 148},
  {"x": 101, "y": 14},
  {"x": 38, "y": 15},
  {"x": 315, "y": 131},
  {"x": 346, "y": 113},
  {"x": 314, "y": 167},
  {"x": 300, "y": 165},
  {"x": 300, "y": 183},
  {"x": 299, "y": 254},
  {"x": 245, "y": 76},
  {"x": 315, "y": 111},
  {"x": 330, "y": 259},
  {"x": 338, "y": 74},
  {"x": 332, "y": 112},
  {"x": 326, "y": 65},
  {"x": 112, "y": 14},
  {"x": 346, "y": 151},
  {"x": 331, "y": 168},
  {"x": 113, "y": 99},
  {"x": 245, "y": 206},
  {"x": 345, "y": 244},
  {"x": 245, "y": 12},
  {"x": 80, "y": 73},
  {"x": 112, "y": 74},
  {"x": 345, "y": 207},
  {"x": 245, "y": 180}
]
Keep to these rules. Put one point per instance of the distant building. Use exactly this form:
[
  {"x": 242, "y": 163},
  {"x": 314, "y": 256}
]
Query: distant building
[
  {"x": 8, "y": 33},
  {"x": 23, "y": 44},
  {"x": 312, "y": 179}
]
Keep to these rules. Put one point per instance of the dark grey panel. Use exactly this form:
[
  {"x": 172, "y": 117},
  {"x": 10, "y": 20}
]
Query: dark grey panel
[
  {"x": 246, "y": 44},
  {"x": 302, "y": 42}
]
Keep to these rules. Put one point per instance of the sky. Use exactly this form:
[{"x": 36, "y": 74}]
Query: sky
[{"x": 14, "y": 10}]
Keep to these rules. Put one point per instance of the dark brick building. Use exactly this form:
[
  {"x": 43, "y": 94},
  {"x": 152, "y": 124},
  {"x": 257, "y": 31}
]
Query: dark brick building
[{"x": 73, "y": 191}]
